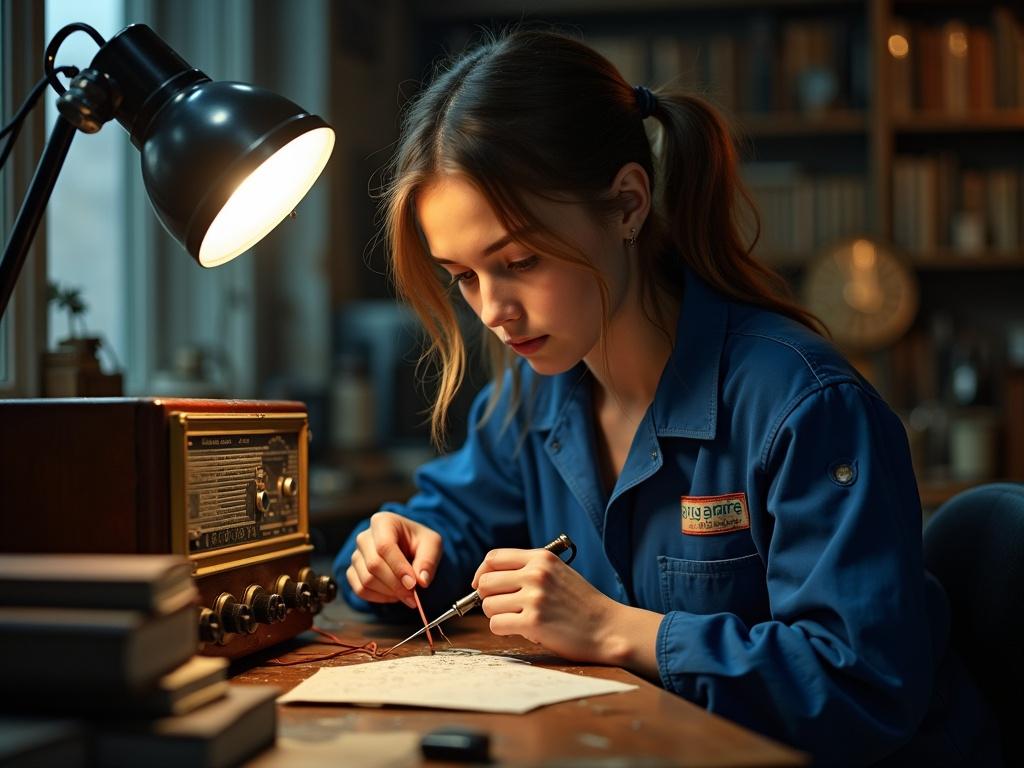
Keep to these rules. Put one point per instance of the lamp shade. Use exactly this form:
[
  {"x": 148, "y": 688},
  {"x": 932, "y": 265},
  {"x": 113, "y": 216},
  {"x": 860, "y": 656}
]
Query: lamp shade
[{"x": 223, "y": 162}]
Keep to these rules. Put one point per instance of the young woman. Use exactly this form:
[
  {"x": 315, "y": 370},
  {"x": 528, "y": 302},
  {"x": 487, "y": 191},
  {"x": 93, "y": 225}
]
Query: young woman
[{"x": 743, "y": 502}]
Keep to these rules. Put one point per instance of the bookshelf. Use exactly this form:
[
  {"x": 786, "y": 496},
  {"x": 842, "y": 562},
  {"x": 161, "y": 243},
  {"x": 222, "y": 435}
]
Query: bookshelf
[{"x": 902, "y": 120}]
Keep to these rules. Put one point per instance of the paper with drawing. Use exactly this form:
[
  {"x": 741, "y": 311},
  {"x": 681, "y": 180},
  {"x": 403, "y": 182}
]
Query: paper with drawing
[{"x": 450, "y": 681}]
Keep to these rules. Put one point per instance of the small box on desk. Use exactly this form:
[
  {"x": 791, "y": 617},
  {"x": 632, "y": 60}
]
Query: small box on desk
[{"x": 223, "y": 482}]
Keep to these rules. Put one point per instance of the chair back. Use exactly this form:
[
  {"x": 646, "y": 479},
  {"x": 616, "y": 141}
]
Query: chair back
[{"x": 974, "y": 545}]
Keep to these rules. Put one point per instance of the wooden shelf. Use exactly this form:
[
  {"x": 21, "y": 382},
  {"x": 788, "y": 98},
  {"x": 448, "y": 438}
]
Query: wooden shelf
[
  {"x": 937, "y": 122},
  {"x": 939, "y": 261},
  {"x": 947, "y": 260},
  {"x": 797, "y": 124}
]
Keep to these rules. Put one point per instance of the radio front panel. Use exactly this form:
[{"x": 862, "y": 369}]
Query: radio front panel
[{"x": 238, "y": 486}]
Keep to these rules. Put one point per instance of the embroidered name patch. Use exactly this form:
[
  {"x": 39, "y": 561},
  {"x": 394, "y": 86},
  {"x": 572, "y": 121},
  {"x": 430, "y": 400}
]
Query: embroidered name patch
[{"x": 707, "y": 515}]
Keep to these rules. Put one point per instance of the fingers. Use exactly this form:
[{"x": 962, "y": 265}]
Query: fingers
[
  {"x": 502, "y": 560},
  {"x": 387, "y": 561},
  {"x": 510, "y": 559},
  {"x": 370, "y": 581},
  {"x": 499, "y": 582},
  {"x": 504, "y": 624},
  {"x": 428, "y": 555},
  {"x": 504, "y": 603},
  {"x": 361, "y": 590},
  {"x": 370, "y": 565}
]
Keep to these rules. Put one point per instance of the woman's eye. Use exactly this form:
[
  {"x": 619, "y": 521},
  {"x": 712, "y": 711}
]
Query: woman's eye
[
  {"x": 462, "y": 277},
  {"x": 523, "y": 264}
]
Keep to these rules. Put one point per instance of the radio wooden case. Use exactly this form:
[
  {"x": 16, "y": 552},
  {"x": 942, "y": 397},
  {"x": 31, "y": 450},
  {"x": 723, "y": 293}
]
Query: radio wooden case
[{"x": 223, "y": 482}]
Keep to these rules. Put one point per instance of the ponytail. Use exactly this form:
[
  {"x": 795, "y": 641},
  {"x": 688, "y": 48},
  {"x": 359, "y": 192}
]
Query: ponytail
[{"x": 699, "y": 202}]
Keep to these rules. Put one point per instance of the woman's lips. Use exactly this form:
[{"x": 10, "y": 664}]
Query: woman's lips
[{"x": 527, "y": 347}]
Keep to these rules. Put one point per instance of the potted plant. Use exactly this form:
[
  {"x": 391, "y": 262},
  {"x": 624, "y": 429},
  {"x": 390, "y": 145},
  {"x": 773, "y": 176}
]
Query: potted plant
[
  {"x": 73, "y": 369},
  {"x": 76, "y": 344}
]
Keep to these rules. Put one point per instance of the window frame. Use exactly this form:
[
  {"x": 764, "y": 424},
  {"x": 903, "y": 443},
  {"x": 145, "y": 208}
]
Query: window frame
[{"x": 24, "y": 324}]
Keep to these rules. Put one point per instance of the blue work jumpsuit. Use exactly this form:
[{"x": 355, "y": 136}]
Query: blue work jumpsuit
[{"x": 767, "y": 508}]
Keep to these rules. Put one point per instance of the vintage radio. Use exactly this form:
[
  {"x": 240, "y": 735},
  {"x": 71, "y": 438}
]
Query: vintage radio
[{"x": 223, "y": 482}]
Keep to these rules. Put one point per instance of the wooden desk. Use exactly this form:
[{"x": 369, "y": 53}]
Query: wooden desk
[{"x": 646, "y": 726}]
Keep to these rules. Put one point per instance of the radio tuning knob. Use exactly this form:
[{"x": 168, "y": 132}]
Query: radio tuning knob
[
  {"x": 263, "y": 501},
  {"x": 234, "y": 616},
  {"x": 266, "y": 608},
  {"x": 287, "y": 486},
  {"x": 210, "y": 628},
  {"x": 296, "y": 594}
]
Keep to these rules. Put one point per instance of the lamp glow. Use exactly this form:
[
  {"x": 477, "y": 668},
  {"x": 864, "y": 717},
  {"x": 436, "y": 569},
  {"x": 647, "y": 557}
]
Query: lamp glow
[{"x": 266, "y": 196}]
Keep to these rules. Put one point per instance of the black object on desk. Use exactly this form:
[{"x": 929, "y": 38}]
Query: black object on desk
[{"x": 456, "y": 744}]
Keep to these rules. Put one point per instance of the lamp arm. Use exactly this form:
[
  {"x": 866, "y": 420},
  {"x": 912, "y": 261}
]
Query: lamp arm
[{"x": 33, "y": 207}]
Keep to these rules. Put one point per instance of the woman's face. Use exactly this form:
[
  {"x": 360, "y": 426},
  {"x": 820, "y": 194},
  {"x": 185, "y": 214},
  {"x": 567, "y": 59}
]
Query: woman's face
[{"x": 546, "y": 309}]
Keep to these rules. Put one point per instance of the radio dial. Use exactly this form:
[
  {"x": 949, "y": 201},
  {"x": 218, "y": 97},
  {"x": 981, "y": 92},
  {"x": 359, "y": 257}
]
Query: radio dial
[
  {"x": 263, "y": 501},
  {"x": 287, "y": 486}
]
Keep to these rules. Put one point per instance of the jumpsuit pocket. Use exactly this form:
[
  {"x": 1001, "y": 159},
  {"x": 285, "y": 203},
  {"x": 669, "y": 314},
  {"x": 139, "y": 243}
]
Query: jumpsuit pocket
[{"x": 734, "y": 585}]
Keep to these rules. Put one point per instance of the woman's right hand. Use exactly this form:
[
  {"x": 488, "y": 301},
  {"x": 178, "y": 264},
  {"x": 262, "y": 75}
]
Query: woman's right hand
[{"x": 392, "y": 556}]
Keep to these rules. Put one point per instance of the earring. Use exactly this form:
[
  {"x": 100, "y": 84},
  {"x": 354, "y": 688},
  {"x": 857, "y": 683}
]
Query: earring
[{"x": 632, "y": 237}]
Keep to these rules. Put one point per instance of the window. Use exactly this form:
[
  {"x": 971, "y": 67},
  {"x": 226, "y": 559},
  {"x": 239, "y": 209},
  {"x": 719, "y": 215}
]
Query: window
[{"x": 85, "y": 219}]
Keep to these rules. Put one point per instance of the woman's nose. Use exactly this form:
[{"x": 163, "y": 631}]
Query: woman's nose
[{"x": 497, "y": 304}]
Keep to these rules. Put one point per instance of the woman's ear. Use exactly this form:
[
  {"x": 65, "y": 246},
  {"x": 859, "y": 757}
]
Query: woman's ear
[{"x": 632, "y": 188}]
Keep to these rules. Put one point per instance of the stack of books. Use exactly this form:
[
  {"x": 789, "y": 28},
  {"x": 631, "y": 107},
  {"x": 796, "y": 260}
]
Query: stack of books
[{"x": 98, "y": 660}]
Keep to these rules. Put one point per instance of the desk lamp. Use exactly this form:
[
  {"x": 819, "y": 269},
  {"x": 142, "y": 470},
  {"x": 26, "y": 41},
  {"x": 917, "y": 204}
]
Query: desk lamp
[{"x": 223, "y": 162}]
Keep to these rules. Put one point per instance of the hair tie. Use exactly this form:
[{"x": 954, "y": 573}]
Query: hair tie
[{"x": 645, "y": 100}]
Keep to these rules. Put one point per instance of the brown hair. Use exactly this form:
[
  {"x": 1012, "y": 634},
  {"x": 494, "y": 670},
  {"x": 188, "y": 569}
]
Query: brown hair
[{"x": 541, "y": 112}]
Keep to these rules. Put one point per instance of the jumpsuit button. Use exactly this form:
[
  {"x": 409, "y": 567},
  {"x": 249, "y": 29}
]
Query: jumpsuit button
[
  {"x": 843, "y": 473},
  {"x": 556, "y": 446},
  {"x": 654, "y": 455}
]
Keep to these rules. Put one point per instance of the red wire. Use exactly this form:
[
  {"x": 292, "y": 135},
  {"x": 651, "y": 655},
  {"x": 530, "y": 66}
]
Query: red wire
[
  {"x": 423, "y": 616},
  {"x": 347, "y": 649}
]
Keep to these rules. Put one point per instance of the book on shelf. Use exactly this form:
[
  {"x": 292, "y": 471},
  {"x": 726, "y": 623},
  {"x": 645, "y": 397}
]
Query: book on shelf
[
  {"x": 1008, "y": 44},
  {"x": 222, "y": 733},
  {"x": 956, "y": 68},
  {"x": 56, "y": 649},
  {"x": 146, "y": 583},
  {"x": 802, "y": 212},
  {"x": 940, "y": 206},
  {"x": 31, "y": 743},
  {"x": 198, "y": 681},
  {"x": 900, "y": 67},
  {"x": 953, "y": 54}
]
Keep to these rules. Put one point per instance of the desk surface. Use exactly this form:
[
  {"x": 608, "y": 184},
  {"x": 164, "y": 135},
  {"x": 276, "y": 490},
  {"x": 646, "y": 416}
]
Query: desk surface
[{"x": 646, "y": 726}]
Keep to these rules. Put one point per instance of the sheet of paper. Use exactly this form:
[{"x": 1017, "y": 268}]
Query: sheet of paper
[{"x": 478, "y": 682}]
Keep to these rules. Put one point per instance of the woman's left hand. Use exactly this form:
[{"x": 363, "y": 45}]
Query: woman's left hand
[{"x": 530, "y": 592}]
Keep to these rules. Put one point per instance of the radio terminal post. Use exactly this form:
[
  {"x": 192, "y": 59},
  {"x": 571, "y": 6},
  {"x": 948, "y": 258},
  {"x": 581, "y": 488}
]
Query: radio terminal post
[
  {"x": 210, "y": 629},
  {"x": 234, "y": 616},
  {"x": 297, "y": 594},
  {"x": 325, "y": 588},
  {"x": 266, "y": 607}
]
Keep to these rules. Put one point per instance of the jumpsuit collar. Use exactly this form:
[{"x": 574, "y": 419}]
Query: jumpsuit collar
[{"x": 686, "y": 400}]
